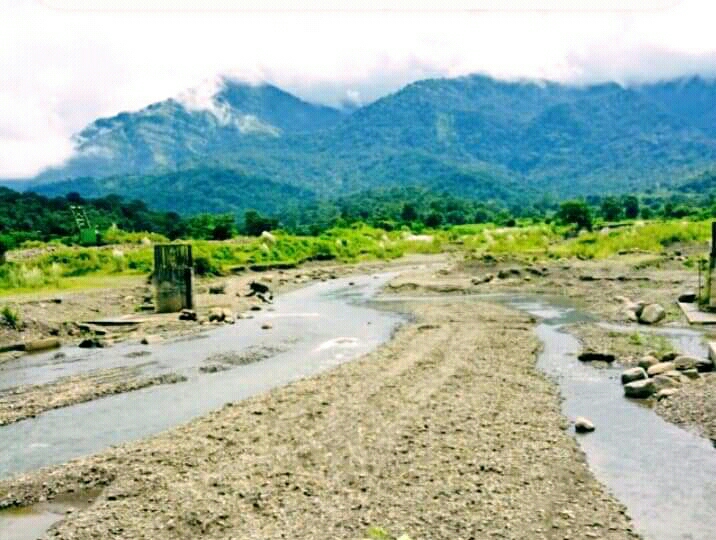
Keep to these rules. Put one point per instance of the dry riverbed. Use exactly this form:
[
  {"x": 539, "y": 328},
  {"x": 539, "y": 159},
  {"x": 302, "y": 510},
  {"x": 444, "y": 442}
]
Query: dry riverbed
[{"x": 447, "y": 431}]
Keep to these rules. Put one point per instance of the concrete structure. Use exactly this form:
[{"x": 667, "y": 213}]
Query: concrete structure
[
  {"x": 710, "y": 284},
  {"x": 173, "y": 277}
]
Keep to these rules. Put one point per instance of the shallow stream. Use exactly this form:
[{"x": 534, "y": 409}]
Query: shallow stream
[{"x": 662, "y": 473}]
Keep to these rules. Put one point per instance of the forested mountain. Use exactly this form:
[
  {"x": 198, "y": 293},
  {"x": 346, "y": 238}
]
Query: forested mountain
[{"x": 472, "y": 136}]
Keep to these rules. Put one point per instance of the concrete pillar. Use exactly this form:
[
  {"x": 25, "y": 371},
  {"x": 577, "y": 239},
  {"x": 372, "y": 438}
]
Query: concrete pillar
[
  {"x": 710, "y": 278},
  {"x": 173, "y": 277}
]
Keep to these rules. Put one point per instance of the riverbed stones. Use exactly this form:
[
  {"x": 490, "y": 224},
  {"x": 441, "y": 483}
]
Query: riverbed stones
[
  {"x": 683, "y": 362},
  {"x": 652, "y": 314},
  {"x": 666, "y": 393},
  {"x": 692, "y": 374},
  {"x": 596, "y": 356},
  {"x": 645, "y": 362},
  {"x": 704, "y": 365},
  {"x": 665, "y": 381},
  {"x": 661, "y": 367},
  {"x": 92, "y": 343},
  {"x": 187, "y": 315},
  {"x": 633, "y": 374},
  {"x": 583, "y": 425},
  {"x": 42, "y": 344},
  {"x": 640, "y": 389},
  {"x": 219, "y": 288}
]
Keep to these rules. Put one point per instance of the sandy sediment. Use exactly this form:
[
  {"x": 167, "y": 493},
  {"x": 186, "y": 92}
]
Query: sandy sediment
[
  {"x": 447, "y": 431},
  {"x": 28, "y": 401}
]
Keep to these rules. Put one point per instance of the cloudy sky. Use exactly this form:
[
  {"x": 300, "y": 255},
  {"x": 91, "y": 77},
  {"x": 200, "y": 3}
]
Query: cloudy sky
[{"x": 64, "y": 63}]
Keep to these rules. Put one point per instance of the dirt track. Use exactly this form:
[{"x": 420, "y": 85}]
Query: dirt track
[{"x": 448, "y": 431}]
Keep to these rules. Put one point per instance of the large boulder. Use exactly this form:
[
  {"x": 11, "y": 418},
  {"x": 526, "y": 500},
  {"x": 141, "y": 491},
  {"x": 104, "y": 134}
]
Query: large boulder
[
  {"x": 652, "y": 314},
  {"x": 640, "y": 389},
  {"x": 633, "y": 374},
  {"x": 661, "y": 367}
]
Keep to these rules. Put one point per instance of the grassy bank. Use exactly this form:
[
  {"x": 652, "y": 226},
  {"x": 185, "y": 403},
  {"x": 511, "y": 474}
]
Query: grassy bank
[{"x": 57, "y": 267}]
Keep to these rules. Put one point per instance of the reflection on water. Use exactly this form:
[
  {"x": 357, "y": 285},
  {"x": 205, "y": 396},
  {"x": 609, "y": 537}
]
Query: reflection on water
[
  {"x": 662, "y": 473},
  {"x": 314, "y": 329}
]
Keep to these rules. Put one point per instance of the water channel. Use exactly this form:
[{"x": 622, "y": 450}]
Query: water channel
[{"x": 662, "y": 473}]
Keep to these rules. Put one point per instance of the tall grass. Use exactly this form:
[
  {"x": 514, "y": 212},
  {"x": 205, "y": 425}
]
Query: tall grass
[{"x": 349, "y": 244}]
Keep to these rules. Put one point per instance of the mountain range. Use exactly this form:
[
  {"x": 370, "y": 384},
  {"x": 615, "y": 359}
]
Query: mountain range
[{"x": 257, "y": 146}]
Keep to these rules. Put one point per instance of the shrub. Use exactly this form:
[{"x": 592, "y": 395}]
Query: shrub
[{"x": 10, "y": 317}]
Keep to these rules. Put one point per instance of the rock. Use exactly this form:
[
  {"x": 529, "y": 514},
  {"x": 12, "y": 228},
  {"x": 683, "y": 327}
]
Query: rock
[
  {"x": 216, "y": 314},
  {"x": 258, "y": 287},
  {"x": 583, "y": 425},
  {"x": 508, "y": 272},
  {"x": 42, "y": 344},
  {"x": 595, "y": 356},
  {"x": 640, "y": 389},
  {"x": 704, "y": 364},
  {"x": 255, "y": 308},
  {"x": 665, "y": 393},
  {"x": 631, "y": 315},
  {"x": 647, "y": 361},
  {"x": 268, "y": 237},
  {"x": 218, "y": 289},
  {"x": 676, "y": 376},
  {"x": 148, "y": 340},
  {"x": 688, "y": 297},
  {"x": 92, "y": 343},
  {"x": 669, "y": 356},
  {"x": 692, "y": 374},
  {"x": 652, "y": 314},
  {"x": 188, "y": 315},
  {"x": 683, "y": 363},
  {"x": 664, "y": 381},
  {"x": 484, "y": 279},
  {"x": 266, "y": 326},
  {"x": 633, "y": 374},
  {"x": 636, "y": 307},
  {"x": 658, "y": 369},
  {"x": 539, "y": 272}
]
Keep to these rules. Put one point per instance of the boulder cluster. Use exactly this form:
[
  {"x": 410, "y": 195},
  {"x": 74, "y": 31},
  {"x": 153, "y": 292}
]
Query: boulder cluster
[{"x": 662, "y": 377}]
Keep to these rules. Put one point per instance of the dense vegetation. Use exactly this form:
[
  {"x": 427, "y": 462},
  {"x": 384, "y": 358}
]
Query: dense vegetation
[{"x": 472, "y": 137}]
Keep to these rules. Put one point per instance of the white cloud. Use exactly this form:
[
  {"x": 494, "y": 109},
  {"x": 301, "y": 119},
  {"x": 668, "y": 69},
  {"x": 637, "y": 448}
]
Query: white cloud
[{"x": 62, "y": 65}]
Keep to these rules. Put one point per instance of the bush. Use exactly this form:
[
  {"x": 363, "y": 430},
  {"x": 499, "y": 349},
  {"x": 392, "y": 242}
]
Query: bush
[{"x": 10, "y": 317}]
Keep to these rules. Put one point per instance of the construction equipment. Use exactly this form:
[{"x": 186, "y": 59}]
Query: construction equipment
[{"x": 88, "y": 235}]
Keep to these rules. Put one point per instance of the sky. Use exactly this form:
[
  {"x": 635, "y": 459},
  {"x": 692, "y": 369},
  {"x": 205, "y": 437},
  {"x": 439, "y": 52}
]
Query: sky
[{"x": 64, "y": 63}]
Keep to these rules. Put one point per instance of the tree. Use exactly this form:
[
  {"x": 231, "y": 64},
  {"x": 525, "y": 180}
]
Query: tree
[
  {"x": 631, "y": 207},
  {"x": 255, "y": 223},
  {"x": 409, "y": 213},
  {"x": 611, "y": 208},
  {"x": 575, "y": 212},
  {"x": 434, "y": 219}
]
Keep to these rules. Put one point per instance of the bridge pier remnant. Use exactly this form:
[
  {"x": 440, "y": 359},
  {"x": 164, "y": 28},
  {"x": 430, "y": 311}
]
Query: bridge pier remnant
[
  {"x": 710, "y": 285},
  {"x": 173, "y": 277}
]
